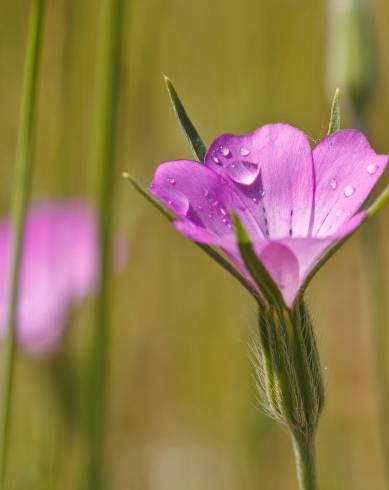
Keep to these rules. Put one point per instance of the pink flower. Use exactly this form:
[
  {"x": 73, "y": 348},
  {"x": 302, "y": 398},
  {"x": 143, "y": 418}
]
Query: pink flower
[
  {"x": 296, "y": 203},
  {"x": 60, "y": 267}
]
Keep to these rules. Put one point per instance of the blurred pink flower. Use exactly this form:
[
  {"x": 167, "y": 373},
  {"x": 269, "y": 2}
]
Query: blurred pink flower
[{"x": 60, "y": 264}]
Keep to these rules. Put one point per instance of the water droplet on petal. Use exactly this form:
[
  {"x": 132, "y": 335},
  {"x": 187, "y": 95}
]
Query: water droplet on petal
[
  {"x": 349, "y": 190},
  {"x": 223, "y": 212},
  {"x": 339, "y": 212},
  {"x": 244, "y": 151},
  {"x": 262, "y": 193},
  {"x": 333, "y": 184},
  {"x": 372, "y": 168},
  {"x": 215, "y": 159},
  {"x": 176, "y": 200},
  {"x": 171, "y": 180},
  {"x": 242, "y": 172},
  {"x": 255, "y": 200},
  {"x": 225, "y": 151}
]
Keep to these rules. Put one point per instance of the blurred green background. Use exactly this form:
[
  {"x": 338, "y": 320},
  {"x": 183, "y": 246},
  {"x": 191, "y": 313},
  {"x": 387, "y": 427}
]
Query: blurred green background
[{"x": 183, "y": 411}]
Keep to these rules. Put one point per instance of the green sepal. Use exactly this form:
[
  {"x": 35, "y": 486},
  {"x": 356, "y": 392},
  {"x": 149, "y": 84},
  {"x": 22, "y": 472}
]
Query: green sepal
[
  {"x": 206, "y": 248},
  {"x": 334, "y": 124},
  {"x": 288, "y": 368},
  {"x": 378, "y": 203},
  {"x": 198, "y": 147},
  {"x": 257, "y": 270},
  {"x": 149, "y": 196}
]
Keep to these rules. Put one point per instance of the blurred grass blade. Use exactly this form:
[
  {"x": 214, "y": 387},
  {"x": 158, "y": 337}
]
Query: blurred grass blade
[
  {"x": 379, "y": 202},
  {"x": 257, "y": 270},
  {"x": 335, "y": 114},
  {"x": 20, "y": 196},
  {"x": 103, "y": 157},
  {"x": 206, "y": 248},
  {"x": 198, "y": 147}
]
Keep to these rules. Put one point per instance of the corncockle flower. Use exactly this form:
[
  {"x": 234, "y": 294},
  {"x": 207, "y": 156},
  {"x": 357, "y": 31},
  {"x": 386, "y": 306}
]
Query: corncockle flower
[
  {"x": 277, "y": 209},
  {"x": 295, "y": 203},
  {"x": 60, "y": 266}
]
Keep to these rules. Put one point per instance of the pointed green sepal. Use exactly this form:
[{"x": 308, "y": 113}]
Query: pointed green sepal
[
  {"x": 334, "y": 124},
  {"x": 198, "y": 147},
  {"x": 257, "y": 270},
  {"x": 206, "y": 248},
  {"x": 379, "y": 202},
  {"x": 149, "y": 196}
]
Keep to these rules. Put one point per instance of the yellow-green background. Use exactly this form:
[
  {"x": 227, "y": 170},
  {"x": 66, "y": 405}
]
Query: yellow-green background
[{"x": 183, "y": 410}]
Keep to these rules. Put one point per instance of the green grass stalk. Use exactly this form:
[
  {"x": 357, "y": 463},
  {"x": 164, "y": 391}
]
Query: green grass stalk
[
  {"x": 21, "y": 193},
  {"x": 375, "y": 281},
  {"x": 103, "y": 160}
]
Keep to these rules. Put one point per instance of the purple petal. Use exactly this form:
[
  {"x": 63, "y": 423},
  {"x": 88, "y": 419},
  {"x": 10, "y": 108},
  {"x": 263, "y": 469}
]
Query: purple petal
[
  {"x": 283, "y": 266},
  {"x": 311, "y": 250},
  {"x": 271, "y": 169},
  {"x": 200, "y": 197},
  {"x": 346, "y": 169}
]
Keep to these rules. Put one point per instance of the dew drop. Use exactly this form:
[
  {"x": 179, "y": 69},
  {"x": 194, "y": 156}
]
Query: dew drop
[
  {"x": 371, "y": 169},
  {"x": 171, "y": 180},
  {"x": 242, "y": 172},
  {"x": 223, "y": 212},
  {"x": 255, "y": 200},
  {"x": 333, "y": 184},
  {"x": 176, "y": 200},
  {"x": 262, "y": 193},
  {"x": 349, "y": 190},
  {"x": 215, "y": 159},
  {"x": 225, "y": 151},
  {"x": 244, "y": 151}
]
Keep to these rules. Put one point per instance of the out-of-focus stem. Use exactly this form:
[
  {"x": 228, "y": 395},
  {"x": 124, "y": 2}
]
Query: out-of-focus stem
[
  {"x": 103, "y": 161},
  {"x": 374, "y": 271},
  {"x": 352, "y": 65},
  {"x": 379, "y": 316},
  {"x": 21, "y": 192}
]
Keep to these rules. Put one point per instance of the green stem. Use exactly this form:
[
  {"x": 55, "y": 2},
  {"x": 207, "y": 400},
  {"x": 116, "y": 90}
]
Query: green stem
[
  {"x": 21, "y": 192},
  {"x": 304, "y": 451},
  {"x": 379, "y": 317},
  {"x": 103, "y": 160},
  {"x": 374, "y": 270}
]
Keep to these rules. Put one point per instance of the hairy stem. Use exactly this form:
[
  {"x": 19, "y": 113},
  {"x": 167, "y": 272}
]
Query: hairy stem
[{"x": 304, "y": 451}]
